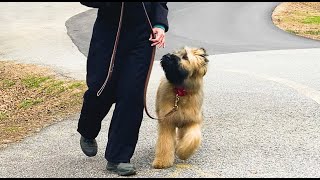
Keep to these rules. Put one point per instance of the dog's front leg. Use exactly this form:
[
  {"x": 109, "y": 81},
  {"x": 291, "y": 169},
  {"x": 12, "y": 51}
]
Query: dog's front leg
[
  {"x": 165, "y": 149},
  {"x": 189, "y": 139}
]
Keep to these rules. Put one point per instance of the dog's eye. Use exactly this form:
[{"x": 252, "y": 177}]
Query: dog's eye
[{"x": 185, "y": 56}]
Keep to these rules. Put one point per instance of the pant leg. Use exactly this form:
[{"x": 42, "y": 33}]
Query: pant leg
[
  {"x": 128, "y": 114},
  {"x": 93, "y": 111},
  {"x": 94, "y": 108}
]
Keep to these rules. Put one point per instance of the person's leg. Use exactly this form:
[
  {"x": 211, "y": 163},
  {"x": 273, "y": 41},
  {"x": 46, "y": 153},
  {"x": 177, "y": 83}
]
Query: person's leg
[
  {"x": 93, "y": 111},
  {"x": 127, "y": 116},
  {"x": 95, "y": 108}
]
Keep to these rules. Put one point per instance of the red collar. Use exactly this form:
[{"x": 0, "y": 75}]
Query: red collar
[{"x": 180, "y": 91}]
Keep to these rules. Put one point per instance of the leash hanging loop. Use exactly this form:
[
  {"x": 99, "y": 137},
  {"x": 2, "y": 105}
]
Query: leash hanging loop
[{"x": 113, "y": 56}]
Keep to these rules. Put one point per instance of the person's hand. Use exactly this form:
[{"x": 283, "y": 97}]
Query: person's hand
[{"x": 160, "y": 37}]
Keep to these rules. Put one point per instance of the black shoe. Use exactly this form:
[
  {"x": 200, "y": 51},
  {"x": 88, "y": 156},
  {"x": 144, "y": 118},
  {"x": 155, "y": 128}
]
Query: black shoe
[
  {"x": 89, "y": 146},
  {"x": 122, "y": 169}
]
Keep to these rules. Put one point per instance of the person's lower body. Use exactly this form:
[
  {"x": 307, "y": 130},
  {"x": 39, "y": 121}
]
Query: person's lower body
[
  {"x": 128, "y": 113},
  {"x": 125, "y": 89}
]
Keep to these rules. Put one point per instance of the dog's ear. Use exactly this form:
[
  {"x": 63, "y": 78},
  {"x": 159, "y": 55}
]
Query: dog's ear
[
  {"x": 205, "y": 55},
  {"x": 204, "y": 50}
]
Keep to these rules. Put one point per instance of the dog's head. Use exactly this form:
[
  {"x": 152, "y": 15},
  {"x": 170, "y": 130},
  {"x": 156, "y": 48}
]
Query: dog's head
[{"x": 185, "y": 64}]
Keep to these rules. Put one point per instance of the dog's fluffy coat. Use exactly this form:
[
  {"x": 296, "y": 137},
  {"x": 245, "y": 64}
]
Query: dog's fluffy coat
[{"x": 180, "y": 132}]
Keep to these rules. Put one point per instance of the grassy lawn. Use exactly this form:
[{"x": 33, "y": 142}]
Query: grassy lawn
[
  {"x": 33, "y": 97},
  {"x": 299, "y": 18}
]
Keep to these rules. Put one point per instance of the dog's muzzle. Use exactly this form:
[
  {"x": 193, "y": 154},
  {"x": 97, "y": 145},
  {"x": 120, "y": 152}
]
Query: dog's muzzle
[{"x": 173, "y": 71}]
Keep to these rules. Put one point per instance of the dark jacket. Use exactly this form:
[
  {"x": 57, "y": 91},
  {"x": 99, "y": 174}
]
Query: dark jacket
[{"x": 157, "y": 11}]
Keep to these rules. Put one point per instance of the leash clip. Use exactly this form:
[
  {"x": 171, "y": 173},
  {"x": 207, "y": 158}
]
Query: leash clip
[{"x": 176, "y": 102}]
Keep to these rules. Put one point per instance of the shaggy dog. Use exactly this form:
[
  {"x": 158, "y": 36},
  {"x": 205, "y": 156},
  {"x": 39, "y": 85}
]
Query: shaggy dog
[{"x": 179, "y": 130}]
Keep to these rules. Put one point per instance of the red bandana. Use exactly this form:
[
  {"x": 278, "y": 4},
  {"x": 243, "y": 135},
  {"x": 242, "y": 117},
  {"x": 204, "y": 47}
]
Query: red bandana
[{"x": 180, "y": 91}]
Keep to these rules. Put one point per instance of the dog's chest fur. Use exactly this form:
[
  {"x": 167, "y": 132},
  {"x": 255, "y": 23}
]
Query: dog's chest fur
[{"x": 189, "y": 105}]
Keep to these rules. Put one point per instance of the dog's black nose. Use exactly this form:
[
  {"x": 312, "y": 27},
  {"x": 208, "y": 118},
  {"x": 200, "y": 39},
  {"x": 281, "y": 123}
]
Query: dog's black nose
[
  {"x": 165, "y": 57},
  {"x": 170, "y": 57}
]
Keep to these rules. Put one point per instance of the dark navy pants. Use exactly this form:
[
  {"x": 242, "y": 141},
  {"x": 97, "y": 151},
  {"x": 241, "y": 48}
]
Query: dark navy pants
[{"x": 125, "y": 88}]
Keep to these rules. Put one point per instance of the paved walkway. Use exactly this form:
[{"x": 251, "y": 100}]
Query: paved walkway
[
  {"x": 262, "y": 111},
  {"x": 35, "y": 32}
]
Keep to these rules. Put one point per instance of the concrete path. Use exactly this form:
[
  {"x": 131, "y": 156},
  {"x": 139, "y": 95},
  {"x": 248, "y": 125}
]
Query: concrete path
[
  {"x": 220, "y": 27},
  {"x": 35, "y": 32},
  {"x": 262, "y": 112}
]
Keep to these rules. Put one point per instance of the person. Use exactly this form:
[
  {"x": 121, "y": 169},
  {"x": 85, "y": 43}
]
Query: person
[{"x": 125, "y": 88}]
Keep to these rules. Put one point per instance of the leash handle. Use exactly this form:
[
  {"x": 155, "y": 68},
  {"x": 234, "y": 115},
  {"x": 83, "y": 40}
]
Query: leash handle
[
  {"x": 175, "y": 108},
  {"x": 150, "y": 66}
]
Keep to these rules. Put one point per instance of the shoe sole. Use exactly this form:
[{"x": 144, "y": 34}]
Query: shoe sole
[{"x": 121, "y": 172}]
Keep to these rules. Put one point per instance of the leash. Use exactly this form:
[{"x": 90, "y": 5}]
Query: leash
[
  {"x": 175, "y": 107},
  {"x": 111, "y": 66},
  {"x": 113, "y": 56}
]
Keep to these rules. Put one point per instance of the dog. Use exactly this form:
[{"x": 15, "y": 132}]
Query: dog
[{"x": 179, "y": 130}]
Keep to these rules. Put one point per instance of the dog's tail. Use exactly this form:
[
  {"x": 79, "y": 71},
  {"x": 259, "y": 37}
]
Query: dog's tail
[{"x": 189, "y": 140}]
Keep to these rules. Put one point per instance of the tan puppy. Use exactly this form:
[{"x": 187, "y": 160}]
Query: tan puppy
[{"x": 180, "y": 131}]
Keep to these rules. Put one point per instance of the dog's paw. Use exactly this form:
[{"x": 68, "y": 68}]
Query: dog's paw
[{"x": 161, "y": 164}]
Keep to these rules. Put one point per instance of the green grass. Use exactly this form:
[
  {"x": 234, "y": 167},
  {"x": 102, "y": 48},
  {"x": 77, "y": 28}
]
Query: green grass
[
  {"x": 6, "y": 83},
  {"x": 34, "y": 81},
  {"x": 75, "y": 85},
  {"x": 11, "y": 129},
  {"x": 55, "y": 87},
  {"x": 292, "y": 31},
  {"x": 41, "y": 98},
  {"x": 27, "y": 103},
  {"x": 3, "y": 116},
  {"x": 78, "y": 95},
  {"x": 313, "y": 32},
  {"x": 48, "y": 85},
  {"x": 311, "y": 20}
]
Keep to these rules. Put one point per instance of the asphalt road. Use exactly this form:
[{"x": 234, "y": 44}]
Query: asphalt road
[
  {"x": 262, "y": 109},
  {"x": 220, "y": 27},
  {"x": 261, "y": 120}
]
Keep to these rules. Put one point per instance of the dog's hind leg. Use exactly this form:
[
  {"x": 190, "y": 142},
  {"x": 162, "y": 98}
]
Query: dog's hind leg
[
  {"x": 164, "y": 157},
  {"x": 189, "y": 139}
]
